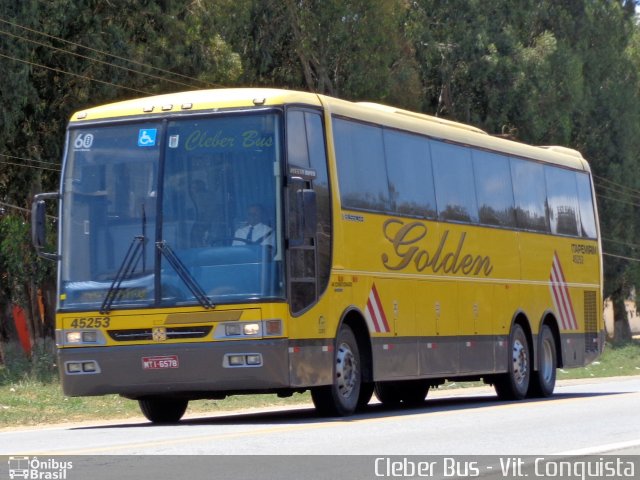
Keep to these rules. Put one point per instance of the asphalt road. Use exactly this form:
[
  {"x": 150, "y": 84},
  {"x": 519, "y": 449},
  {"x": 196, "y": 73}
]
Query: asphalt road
[{"x": 582, "y": 418}]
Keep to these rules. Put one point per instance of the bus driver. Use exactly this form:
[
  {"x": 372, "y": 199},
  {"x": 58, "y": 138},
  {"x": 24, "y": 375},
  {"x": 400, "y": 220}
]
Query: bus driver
[{"x": 255, "y": 232}]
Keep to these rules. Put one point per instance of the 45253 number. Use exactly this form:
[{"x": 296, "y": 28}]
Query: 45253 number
[{"x": 91, "y": 322}]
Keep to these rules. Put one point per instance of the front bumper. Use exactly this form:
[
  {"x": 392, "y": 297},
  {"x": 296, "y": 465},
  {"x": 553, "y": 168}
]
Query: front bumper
[{"x": 198, "y": 369}]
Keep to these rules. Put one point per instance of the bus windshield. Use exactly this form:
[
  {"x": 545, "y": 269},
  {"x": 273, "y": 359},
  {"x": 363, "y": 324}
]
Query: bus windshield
[{"x": 181, "y": 212}]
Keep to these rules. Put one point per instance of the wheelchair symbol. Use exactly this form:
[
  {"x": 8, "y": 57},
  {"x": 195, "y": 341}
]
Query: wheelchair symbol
[{"x": 147, "y": 138}]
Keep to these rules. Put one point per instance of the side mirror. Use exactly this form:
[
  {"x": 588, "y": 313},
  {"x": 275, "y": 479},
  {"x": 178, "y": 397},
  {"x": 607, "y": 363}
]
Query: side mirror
[{"x": 39, "y": 224}]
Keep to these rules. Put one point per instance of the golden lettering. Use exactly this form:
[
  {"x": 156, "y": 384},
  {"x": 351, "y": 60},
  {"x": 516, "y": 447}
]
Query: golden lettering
[{"x": 405, "y": 239}]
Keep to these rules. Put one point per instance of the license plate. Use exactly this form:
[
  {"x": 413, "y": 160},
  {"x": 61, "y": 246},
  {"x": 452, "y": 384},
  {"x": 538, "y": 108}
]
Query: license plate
[{"x": 157, "y": 363}]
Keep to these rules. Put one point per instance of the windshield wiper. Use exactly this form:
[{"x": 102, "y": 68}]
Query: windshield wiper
[
  {"x": 127, "y": 267},
  {"x": 184, "y": 274}
]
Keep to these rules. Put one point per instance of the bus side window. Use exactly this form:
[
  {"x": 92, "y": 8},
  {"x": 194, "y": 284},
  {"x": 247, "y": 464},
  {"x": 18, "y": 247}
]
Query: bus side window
[
  {"x": 362, "y": 169},
  {"x": 494, "y": 189},
  {"x": 453, "y": 179},
  {"x": 587, "y": 215},
  {"x": 562, "y": 198},
  {"x": 530, "y": 193},
  {"x": 410, "y": 174}
]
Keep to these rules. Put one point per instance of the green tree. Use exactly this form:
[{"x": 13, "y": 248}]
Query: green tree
[
  {"x": 353, "y": 49},
  {"x": 607, "y": 131},
  {"x": 58, "y": 57},
  {"x": 496, "y": 65}
]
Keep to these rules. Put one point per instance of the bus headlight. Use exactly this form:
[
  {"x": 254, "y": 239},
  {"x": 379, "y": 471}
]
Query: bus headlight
[
  {"x": 246, "y": 360},
  {"x": 89, "y": 337},
  {"x": 74, "y": 367},
  {"x": 89, "y": 367},
  {"x": 255, "y": 329},
  {"x": 83, "y": 337},
  {"x": 82, "y": 367},
  {"x": 254, "y": 359},
  {"x": 251, "y": 328},
  {"x": 73, "y": 337},
  {"x": 232, "y": 329},
  {"x": 235, "y": 360},
  {"x": 235, "y": 329}
]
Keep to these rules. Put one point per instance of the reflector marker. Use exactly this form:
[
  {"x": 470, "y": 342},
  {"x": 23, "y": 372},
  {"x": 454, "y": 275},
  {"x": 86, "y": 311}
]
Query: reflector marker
[{"x": 374, "y": 313}]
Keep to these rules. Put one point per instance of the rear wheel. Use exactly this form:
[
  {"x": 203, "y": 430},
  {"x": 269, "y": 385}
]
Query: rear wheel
[
  {"x": 543, "y": 381},
  {"x": 514, "y": 384},
  {"x": 366, "y": 392},
  {"x": 411, "y": 392},
  {"x": 163, "y": 410},
  {"x": 342, "y": 397},
  {"x": 388, "y": 393}
]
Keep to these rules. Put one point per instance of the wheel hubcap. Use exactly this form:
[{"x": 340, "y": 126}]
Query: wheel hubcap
[
  {"x": 346, "y": 370},
  {"x": 520, "y": 362}
]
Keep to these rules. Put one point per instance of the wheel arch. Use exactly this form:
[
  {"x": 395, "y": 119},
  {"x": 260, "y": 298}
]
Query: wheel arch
[{"x": 354, "y": 319}]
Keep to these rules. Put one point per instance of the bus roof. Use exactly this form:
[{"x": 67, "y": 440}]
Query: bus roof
[
  {"x": 197, "y": 100},
  {"x": 453, "y": 131},
  {"x": 212, "y": 100}
]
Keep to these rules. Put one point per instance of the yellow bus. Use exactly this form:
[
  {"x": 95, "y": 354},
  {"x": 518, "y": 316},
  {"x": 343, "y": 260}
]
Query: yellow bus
[{"x": 239, "y": 241}]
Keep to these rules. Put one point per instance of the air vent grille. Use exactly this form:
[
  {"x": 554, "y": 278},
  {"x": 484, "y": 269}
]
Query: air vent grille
[
  {"x": 590, "y": 322},
  {"x": 174, "y": 333}
]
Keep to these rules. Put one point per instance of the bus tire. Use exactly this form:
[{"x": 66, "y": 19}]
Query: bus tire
[
  {"x": 366, "y": 392},
  {"x": 543, "y": 381},
  {"x": 342, "y": 397},
  {"x": 387, "y": 393},
  {"x": 163, "y": 410},
  {"x": 410, "y": 392},
  {"x": 514, "y": 384}
]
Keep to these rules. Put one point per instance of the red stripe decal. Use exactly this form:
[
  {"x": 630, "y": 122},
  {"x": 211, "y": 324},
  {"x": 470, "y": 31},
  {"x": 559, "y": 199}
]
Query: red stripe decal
[
  {"x": 561, "y": 295},
  {"x": 374, "y": 313}
]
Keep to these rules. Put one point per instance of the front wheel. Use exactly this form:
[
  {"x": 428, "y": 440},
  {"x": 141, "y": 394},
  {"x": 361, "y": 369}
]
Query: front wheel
[
  {"x": 514, "y": 384},
  {"x": 366, "y": 392},
  {"x": 342, "y": 397},
  {"x": 543, "y": 381},
  {"x": 163, "y": 410}
]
